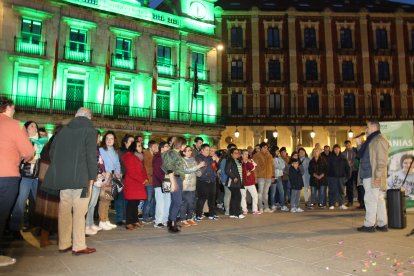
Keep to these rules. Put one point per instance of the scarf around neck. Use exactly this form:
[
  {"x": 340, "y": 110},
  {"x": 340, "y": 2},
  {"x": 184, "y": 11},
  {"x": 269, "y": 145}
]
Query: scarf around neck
[{"x": 365, "y": 145}]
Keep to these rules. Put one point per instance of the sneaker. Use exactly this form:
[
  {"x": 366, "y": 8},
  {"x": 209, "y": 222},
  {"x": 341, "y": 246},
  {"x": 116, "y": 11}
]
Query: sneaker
[
  {"x": 299, "y": 210},
  {"x": 233, "y": 216},
  {"x": 311, "y": 206},
  {"x": 90, "y": 231},
  {"x": 284, "y": 209},
  {"x": 192, "y": 222},
  {"x": 159, "y": 225},
  {"x": 367, "y": 229},
  {"x": 105, "y": 226},
  {"x": 96, "y": 227},
  {"x": 111, "y": 224},
  {"x": 198, "y": 219},
  {"x": 257, "y": 213},
  {"x": 322, "y": 206},
  {"x": 267, "y": 210},
  {"x": 343, "y": 207},
  {"x": 274, "y": 208},
  {"x": 212, "y": 218},
  {"x": 241, "y": 216},
  {"x": 277, "y": 205},
  {"x": 293, "y": 210},
  {"x": 332, "y": 207},
  {"x": 382, "y": 228},
  {"x": 6, "y": 260}
]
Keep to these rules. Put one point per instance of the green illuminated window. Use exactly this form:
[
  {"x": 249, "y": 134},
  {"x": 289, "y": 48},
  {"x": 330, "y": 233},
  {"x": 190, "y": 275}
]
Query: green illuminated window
[
  {"x": 31, "y": 31},
  {"x": 163, "y": 105},
  {"x": 30, "y": 40},
  {"x": 198, "y": 109},
  {"x": 123, "y": 48},
  {"x": 123, "y": 54},
  {"x": 164, "y": 62},
  {"x": 201, "y": 73},
  {"x": 75, "y": 90},
  {"x": 78, "y": 48},
  {"x": 26, "y": 89},
  {"x": 121, "y": 99}
]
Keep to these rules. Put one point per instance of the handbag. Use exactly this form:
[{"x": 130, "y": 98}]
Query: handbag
[
  {"x": 26, "y": 169},
  {"x": 169, "y": 183},
  {"x": 117, "y": 185}
]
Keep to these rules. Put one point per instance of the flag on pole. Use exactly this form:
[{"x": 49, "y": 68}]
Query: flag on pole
[
  {"x": 155, "y": 73},
  {"x": 195, "y": 88},
  {"x": 108, "y": 67},
  {"x": 55, "y": 61}
]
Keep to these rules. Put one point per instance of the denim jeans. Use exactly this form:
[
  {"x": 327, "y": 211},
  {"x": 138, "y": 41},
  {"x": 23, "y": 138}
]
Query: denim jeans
[
  {"x": 295, "y": 199},
  {"x": 162, "y": 205},
  {"x": 336, "y": 190},
  {"x": 280, "y": 190},
  {"x": 149, "y": 204},
  {"x": 27, "y": 186},
  {"x": 226, "y": 200},
  {"x": 273, "y": 189},
  {"x": 318, "y": 195},
  {"x": 264, "y": 186},
  {"x": 286, "y": 188},
  {"x": 120, "y": 207},
  {"x": 187, "y": 207},
  {"x": 9, "y": 188},
  {"x": 350, "y": 187},
  {"x": 91, "y": 208},
  {"x": 176, "y": 201}
]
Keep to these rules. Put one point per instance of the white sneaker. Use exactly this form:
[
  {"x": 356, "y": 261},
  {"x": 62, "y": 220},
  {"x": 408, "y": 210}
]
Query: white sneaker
[
  {"x": 241, "y": 216},
  {"x": 267, "y": 210},
  {"x": 274, "y": 208},
  {"x": 343, "y": 207},
  {"x": 293, "y": 210},
  {"x": 96, "y": 227},
  {"x": 232, "y": 216},
  {"x": 105, "y": 226},
  {"x": 6, "y": 260},
  {"x": 90, "y": 231},
  {"x": 284, "y": 209},
  {"x": 111, "y": 225},
  {"x": 299, "y": 210},
  {"x": 331, "y": 207}
]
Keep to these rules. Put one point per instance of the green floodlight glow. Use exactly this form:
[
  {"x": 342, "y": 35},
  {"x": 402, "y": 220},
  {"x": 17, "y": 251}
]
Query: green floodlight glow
[{"x": 30, "y": 47}]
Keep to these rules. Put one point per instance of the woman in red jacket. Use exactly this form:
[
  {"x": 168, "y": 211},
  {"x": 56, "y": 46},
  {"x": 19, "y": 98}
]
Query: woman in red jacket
[{"x": 134, "y": 184}]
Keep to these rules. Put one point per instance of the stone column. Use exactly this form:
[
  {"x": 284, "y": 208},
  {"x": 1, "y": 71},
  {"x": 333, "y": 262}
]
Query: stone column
[
  {"x": 256, "y": 135},
  {"x": 366, "y": 65},
  {"x": 293, "y": 74},
  {"x": 295, "y": 136},
  {"x": 330, "y": 78},
  {"x": 401, "y": 65},
  {"x": 332, "y": 136},
  {"x": 255, "y": 59}
]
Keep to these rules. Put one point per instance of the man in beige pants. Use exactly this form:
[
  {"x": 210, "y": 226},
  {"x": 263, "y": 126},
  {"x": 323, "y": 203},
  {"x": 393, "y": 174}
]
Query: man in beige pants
[
  {"x": 373, "y": 154},
  {"x": 72, "y": 172}
]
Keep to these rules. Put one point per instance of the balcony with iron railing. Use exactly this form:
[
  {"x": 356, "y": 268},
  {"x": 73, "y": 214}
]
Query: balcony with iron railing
[
  {"x": 202, "y": 75},
  {"x": 167, "y": 69},
  {"x": 29, "y": 46},
  {"x": 67, "y": 107},
  {"x": 77, "y": 54},
  {"x": 122, "y": 62}
]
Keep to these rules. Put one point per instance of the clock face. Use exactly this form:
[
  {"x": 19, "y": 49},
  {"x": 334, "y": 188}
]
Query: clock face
[{"x": 198, "y": 10}]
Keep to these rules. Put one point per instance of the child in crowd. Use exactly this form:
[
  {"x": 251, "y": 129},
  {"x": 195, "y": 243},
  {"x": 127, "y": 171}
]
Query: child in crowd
[{"x": 296, "y": 182}]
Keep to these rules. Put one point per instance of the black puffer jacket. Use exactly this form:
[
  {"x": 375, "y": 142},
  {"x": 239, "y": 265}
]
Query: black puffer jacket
[{"x": 338, "y": 166}]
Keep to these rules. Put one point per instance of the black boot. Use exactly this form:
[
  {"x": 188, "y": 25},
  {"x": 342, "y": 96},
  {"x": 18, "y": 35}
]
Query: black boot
[
  {"x": 174, "y": 228},
  {"x": 169, "y": 225}
]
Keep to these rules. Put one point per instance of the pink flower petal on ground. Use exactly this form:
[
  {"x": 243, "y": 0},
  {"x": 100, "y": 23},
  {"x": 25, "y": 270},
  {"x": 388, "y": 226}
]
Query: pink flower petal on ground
[
  {"x": 401, "y": 274},
  {"x": 341, "y": 242}
]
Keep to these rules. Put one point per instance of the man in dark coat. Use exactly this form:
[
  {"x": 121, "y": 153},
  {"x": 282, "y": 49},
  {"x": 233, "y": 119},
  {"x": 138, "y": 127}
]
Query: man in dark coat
[{"x": 72, "y": 172}]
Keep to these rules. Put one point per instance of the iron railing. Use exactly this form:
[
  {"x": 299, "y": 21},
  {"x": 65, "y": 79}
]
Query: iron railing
[
  {"x": 78, "y": 55},
  {"x": 30, "y": 47},
  {"x": 124, "y": 63}
]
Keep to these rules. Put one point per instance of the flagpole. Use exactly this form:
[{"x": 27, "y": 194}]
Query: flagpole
[
  {"x": 191, "y": 106},
  {"x": 151, "y": 107},
  {"x": 107, "y": 76},
  {"x": 51, "y": 97},
  {"x": 195, "y": 88},
  {"x": 154, "y": 88}
]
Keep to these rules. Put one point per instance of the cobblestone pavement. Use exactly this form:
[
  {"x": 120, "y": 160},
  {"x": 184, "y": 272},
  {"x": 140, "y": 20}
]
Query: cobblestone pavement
[{"x": 316, "y": 242}]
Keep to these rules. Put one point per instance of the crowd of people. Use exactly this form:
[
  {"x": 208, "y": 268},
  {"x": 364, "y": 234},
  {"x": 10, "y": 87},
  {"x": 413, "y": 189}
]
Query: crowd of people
[{"x": 69, "y": 179}]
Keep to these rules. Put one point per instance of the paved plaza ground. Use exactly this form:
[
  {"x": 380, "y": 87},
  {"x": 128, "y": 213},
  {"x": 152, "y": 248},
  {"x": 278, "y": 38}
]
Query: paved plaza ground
[{"x": 316, "y": 242}]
